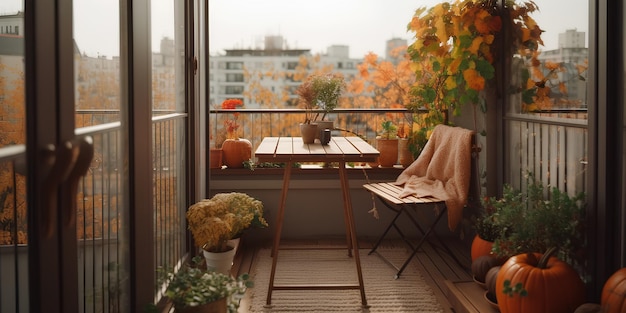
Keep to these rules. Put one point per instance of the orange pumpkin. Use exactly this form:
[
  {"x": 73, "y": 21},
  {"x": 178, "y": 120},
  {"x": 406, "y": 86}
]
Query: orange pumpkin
[
  {"x": 613, "y": 298},
  {"x": 235, "y": 152},
  {"x": 480, "y": 247},
  {"x": 549, "y": 284}
]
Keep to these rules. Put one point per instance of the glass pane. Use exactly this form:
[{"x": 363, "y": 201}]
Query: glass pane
[
  {"x": 546, "y": 132},
  {"x": 97, "y": 62},
  {"x": 101, "y": 245},
  {"x": 168, "y": 51},
  {"x": 13, "y": 206},
  {"x": 550, "y": 81},
  {"x": 12, "y": 119},
  {"x": 168, "y": 131}
]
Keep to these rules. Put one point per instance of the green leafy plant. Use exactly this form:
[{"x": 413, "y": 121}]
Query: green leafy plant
[
  {"x": 320, "y": 91},
  {"x": 454, "y": 51},
  {"x": 214, "y": 221},
  {"x": 487, "y": 226},
  {"x": 390, "y": 130},
  {"x": 192, "y": 286},
  {"x": 537, "y": 219}
]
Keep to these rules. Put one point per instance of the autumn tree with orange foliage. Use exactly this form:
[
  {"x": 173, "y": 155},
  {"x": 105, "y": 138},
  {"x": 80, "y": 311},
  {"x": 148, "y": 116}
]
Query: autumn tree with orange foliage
[{"x": 13, "y": 209}]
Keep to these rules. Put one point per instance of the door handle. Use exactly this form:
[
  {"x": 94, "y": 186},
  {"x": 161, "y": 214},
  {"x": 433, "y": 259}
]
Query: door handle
[
  {"x": 62, "y": 159},
  {"x": 85, "y": 156}
]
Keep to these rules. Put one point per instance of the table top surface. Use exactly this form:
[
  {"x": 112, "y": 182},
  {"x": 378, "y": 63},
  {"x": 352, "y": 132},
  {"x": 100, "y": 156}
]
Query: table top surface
[{"x": 284, "y": 149}]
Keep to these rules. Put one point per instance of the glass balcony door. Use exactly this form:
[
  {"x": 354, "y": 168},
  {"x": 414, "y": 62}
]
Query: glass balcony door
[{"x": 53, "y": 151}]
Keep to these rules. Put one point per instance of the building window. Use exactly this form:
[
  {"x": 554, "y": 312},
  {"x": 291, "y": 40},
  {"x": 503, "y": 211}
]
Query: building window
[
  {"x": 234, "y": 77},
  {"x": 234, "y": 90},
  {"x": 234, "y": 65}
]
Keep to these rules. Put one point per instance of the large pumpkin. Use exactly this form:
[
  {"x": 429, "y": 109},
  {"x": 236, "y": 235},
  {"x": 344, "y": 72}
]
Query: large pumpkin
[
  {"x": 549, "y": 284},
  {"x": 480, "y": 247},
  {"x": 613, "y": 298},
  {"x": 235, "y": 152}
]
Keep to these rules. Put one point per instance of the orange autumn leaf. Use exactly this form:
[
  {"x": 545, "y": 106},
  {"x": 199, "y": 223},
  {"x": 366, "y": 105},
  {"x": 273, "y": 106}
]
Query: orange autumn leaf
[
  {"x": 489, "y": 39},
  {"x": 476, "y": 45},
  {"x": 495, "y": 23},
  {"x": 442, "y": 35},
  {"x": 481, "y": 22},
  {"x": 525, "y": 34},
  {"x": 473, "y": 79},
  {"x": 530, "y": 22}
]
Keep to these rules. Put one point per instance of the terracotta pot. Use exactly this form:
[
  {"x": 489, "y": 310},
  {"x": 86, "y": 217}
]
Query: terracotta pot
[
  {"x": 215, "y": 158},
  {"x": 308, "y": 131},
  {"x": 480, "y": 247},
  {"x": 235, "y": 152},
  {"x": 218, "y": 306},
  {"x": 388, "y": 149}
]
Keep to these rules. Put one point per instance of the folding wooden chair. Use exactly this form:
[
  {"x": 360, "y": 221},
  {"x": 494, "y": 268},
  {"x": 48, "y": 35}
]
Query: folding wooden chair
[{"x": 389, "y": 194}]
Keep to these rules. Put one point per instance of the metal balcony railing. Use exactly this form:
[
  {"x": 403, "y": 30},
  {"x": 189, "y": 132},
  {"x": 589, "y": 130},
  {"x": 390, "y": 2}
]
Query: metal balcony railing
[
  {"x": 550, "y": 144},
  {"x": 255, "y": 124},
  {"x": 101, "y": 214}
]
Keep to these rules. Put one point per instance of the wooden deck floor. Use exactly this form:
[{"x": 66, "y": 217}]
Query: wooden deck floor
[{"x": 440, "y": 270}]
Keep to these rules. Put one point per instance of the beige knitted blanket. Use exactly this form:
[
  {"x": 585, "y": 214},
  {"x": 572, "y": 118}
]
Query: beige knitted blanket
[{"x": 442, "y": 170}]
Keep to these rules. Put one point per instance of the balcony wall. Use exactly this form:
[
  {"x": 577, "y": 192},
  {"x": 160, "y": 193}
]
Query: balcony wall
[{"x": 314, "y": 201}]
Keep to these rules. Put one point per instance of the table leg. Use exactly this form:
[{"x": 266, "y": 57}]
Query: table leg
[
  {"x": 346, "y": 207},
  {"x": 345, "y": 187},
  {"x": 279, "y": 226}
]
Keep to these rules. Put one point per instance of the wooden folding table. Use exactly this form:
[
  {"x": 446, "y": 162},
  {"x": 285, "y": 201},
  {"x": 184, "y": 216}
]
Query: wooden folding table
[{"x": 339, "y": 149}]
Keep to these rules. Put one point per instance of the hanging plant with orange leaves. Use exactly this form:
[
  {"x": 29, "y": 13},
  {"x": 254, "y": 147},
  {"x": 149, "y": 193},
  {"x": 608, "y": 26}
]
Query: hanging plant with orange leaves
[{"x": 455, "y": 49}]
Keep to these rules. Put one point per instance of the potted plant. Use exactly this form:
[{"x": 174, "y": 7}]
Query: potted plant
[
  {"x": 192, "y": 289},
  {"x": 531, "y": 222},
  {"x": 387, "y": 144},
  {"x": 487, "y": 230},
  {"x": 537, "y": 219},
  {"x": 319, "y": 91},
  {"x": 453, "y": 54},
  {"x": 215, "y": 221},
  {"x": 235, "y": 150}
]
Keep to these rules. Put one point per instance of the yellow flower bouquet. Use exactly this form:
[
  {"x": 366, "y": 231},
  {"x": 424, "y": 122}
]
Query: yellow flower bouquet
[{"x": 225, "y": 216}]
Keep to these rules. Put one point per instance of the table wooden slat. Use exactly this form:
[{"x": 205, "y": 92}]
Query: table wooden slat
[
  {"x": 267, "y": 146},
  {"x": 284, "y": 146},
  {"x": 362, "y": 145},
  {"x": 283, "y": 149},
  {"x": 346, "y": 146}
]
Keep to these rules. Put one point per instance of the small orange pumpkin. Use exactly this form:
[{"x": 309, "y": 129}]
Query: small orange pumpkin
[
  {"x": 235, "y": 152},
  {"x": 613, "y": 298},
  {"x": 480, "y": 247},
  {"x": 545, "y": 285}
]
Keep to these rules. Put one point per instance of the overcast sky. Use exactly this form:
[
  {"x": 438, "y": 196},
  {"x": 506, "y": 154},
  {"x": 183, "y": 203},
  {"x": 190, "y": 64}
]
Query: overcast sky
[{"x": 363, "y": 25}]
